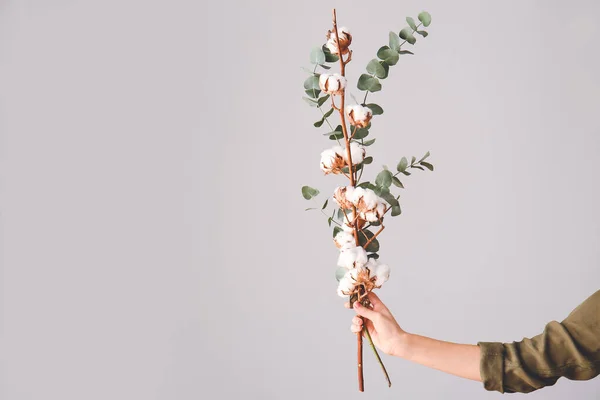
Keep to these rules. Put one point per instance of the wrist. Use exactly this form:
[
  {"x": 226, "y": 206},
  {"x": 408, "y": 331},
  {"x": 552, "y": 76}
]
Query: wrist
[{"x": 400, "y": 345}]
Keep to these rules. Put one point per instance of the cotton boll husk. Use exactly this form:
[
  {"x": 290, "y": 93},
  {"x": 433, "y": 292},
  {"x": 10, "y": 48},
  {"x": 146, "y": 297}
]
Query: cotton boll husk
[{"x": 354, "y": 257}]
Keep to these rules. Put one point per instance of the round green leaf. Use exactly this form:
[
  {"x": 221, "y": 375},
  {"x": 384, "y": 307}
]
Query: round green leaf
[
  {"x": 425, "y": 18},
  {"x": 312, "y": 82},
  {"x": 317, "y": 56},
  {"x": 397, "y": 182},
  {"x": 308, "y": 192},
  {"x": 394, "y": 41},
  {"x": 411, "y": 23},
  {"x": 407, "y": 34},
  {"x": 368, "y": 143},
  {"x": 328, "y": 56},
  {"x": 396, "y": 210},
  {"x": 384, "y": 179},
  {"x": 378, "y": 68},
  {"x": 402, "y": 165},
  {"x": 388, "y": 55},
  {"x": 376, "y": 109},
  {"x": 423, "y": 33},
  {"x": 361, "y": 133},
  {"x": 369, "y": 83}
]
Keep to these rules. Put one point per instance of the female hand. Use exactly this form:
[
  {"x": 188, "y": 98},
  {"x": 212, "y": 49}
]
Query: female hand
[{"x": 381, "y": 324}]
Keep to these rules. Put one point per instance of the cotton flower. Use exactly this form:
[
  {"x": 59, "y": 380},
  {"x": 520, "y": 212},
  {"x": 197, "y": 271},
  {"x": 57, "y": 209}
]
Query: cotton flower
[
  {"x": 332, "y": 160},
  {"x": 344, "y": 240},
  {"x": 358, "y": 115},
  {"x": 332, "y": 83},
  {"x": 357, "y": 152},
  {"x": 370, "y": 207},
  {"x": 344, "y": 37},
  {"x": 355, "y": 257}
]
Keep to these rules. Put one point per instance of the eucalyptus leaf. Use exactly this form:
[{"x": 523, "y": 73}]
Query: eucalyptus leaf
[
  {"x": 388, "y": 55},
  {"x": 361, "y": 133},
  {"x": 390, "y": 199},
  {"x": 368, "y": 160},
  {"x": 396, "y": 210},
  {"x": 427, "y": 165},
  {"x": 329, "y": 221},
  {"x": 406, "y": 52},
  {"x": 312, "y": 82},
  {"x": 330, "y": 58},
  {"x": 425, "y": 156},
  {"x": 397, "y": 182},
  {"x": 384, "y": 179},
  {"x": 378, "y": 68},
  {"x": 425, "y": 18},
  {"x": 322, "y": 100},
  {"x": 340, "y": 273},
  {"x": 317, "y": 56},
  {"x": 407, "y": 34},
  {"x": 364, "y": 236},
  {"x": 402, "y": 165},
  {"x": 411, "y": 23},
  {"x": 368, "y": 83},
  {"x": 394, "y": 41},
  {"x": 325, "y": 204},
  {"x": 335, "y": 135},
  {"x": 310, "y": 101},
  {"x": 313, "y": 93},
  {"x": 373, "y": 255},
  {"x": 376, "y": 109},
  {"x": 423, "y": 33},
  {"x": 368, "y": 142},
  {"x": 367, "y": 185},
  {"x": 413, "y": 159},
  {"x": 418, "y": 167},
  {"x": 308, "y": 192}
]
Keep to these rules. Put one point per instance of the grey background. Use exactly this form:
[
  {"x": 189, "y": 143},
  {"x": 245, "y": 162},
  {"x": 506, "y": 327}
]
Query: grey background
[{"x": 154, "y": 243}]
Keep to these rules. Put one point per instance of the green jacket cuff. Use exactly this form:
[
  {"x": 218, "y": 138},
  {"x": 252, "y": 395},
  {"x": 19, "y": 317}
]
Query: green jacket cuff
[{"x": 491, "y": 366}]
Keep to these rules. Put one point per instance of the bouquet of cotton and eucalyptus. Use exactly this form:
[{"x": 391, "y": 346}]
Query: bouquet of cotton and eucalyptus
[{"x": 358, "y": 210}]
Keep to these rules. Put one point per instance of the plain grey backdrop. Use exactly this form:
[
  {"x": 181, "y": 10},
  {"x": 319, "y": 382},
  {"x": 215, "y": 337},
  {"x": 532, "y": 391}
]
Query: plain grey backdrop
[{"x": 154, "y": 243}]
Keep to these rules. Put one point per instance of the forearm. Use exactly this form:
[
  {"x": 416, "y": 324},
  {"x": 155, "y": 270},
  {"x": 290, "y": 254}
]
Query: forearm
[{"x": 456, "y": 359}]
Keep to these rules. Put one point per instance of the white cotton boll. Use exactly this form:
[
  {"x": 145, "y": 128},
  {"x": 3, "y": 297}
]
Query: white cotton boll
[
  {"x": 370, "y": 199},
  {"x": 327, "y": 159},
  {"x": 382, "y": 274},
  {"x": 357, "y": 152},
  {"x": 353, "y": 194},
  {"x": 346, "y": 285},
  {"x": 332, "y": 83},
  {"x": 345, "y": 38},
  {"x": 332, "y": 160},
  {"x": 344, "y": 240},
  {"x": 370, "y": 216},
  {"x": 354, "y": 257},
  {"x": 358, "y": 115}
]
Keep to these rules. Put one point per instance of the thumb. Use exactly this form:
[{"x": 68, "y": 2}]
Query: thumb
[{"x": 365, "y": 312}]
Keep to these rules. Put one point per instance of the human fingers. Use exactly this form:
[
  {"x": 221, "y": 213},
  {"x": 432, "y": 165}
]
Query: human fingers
[
  {"x": 377, "y": 303},
  {"x": 365, "y": 312}
]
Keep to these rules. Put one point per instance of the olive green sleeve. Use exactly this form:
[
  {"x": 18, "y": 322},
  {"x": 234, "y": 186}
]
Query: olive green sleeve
[{"x": 570, "y": 348}]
